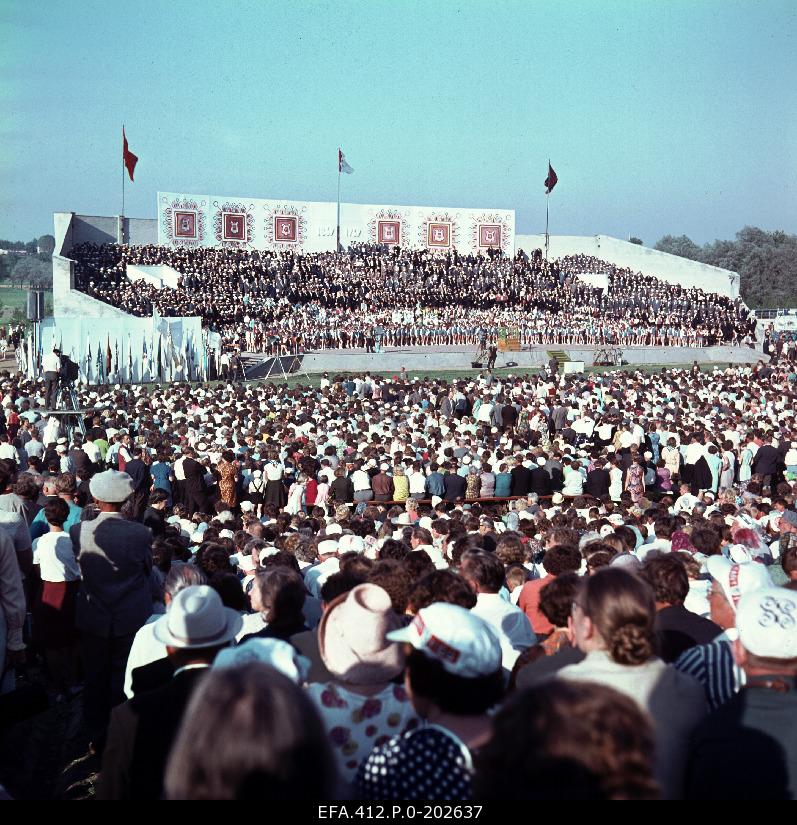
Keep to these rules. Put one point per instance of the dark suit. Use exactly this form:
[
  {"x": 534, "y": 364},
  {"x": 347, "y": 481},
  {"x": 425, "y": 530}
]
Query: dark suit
[
  {"x": 142, "y": 483},
  {"x": 509, "y": 415},
  {"x": 597, "y": 483},
  {"x": 155, "y": 520},
  {"x": 114, "y": 601},
  {"x": 677, "y": 629},
  {"x": 454, "y": 486},
  {"x": 768, "y": 463},
  {"x": 195, "y": 491},
  {"x": 140, "y": 737},
  {"x": 341, "y": 491},
  {"x": 540, "y": 481},
  {"x": 521, "y": 480}
]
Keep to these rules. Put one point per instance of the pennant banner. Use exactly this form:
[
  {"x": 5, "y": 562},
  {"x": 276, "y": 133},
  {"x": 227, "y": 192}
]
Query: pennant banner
[{"x": 128, "y": 158}]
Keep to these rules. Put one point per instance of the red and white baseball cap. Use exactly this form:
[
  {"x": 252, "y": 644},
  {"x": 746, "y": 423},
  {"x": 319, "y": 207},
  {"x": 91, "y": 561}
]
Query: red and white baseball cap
[
  {"x": 738, "y": 578},
  {"x": 465, "y": 644}
]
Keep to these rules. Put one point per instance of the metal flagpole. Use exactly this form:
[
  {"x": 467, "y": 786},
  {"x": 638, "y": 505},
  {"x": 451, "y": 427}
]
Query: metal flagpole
[
  {"x": 123, "y": 170},
  {"x": 546, "y": 225},
  {"x": 337, "y": 248}
]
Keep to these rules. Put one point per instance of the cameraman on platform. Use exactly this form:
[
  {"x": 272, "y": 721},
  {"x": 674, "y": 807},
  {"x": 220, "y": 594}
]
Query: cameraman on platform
[{"x": 51, "y": 364}]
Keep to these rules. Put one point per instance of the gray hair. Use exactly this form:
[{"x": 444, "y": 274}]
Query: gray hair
[{"x": 181, "y": 576}]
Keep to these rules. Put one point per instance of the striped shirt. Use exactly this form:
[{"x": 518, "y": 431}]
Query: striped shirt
[{"x": 715, "y": 668}]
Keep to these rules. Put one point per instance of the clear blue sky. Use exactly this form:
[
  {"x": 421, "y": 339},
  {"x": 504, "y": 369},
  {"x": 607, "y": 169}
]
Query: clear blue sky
[{"x": 659, "y": 117}]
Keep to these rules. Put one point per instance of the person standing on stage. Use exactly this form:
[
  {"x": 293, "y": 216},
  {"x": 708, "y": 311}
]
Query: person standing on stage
[{"x": 51, "y": 365}]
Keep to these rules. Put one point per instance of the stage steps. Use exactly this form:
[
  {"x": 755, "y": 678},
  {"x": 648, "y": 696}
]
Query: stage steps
[
  {"x": 560, "y": 355},
  {"x": 260, "y": 365}
]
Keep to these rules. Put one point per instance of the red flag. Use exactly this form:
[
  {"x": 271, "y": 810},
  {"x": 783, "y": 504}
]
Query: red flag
[
  {"x": 551, "y": 180},
  {"x": 130, "y": 160}
]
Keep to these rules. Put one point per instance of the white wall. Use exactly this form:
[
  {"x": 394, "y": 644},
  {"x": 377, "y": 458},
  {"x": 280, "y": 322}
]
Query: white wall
[
  {"x": 316, "y": 222},
  {"x": 670, "y": 268},
  {"x": 160, "y": 275}
]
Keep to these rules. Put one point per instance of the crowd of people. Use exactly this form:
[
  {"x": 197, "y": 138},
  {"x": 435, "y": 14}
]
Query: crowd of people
[
  {"x": 406, "y": 588},
  {"x": 371, "y": 297}
]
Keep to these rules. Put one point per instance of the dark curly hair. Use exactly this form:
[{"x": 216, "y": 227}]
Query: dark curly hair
[
  {"x": 666, "y": 574},
  {"x": 556, "y": 598},
  {"x": 562, "y": 558},
  {"x": 453, "y": 694},
  {"x": 392, "y": 576},
  {"x": 441, "y": 586}
]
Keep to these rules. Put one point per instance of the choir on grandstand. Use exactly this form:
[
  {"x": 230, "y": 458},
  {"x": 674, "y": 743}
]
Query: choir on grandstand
[
  {"x": 372, "y": 297},
  {"x": 396, "y": 589}
]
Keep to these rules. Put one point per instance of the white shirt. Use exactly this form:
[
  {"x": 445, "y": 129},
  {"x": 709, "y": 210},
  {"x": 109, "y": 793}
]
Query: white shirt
[
  {"x": 54, "y": 554},
  {"x": 657, "y": 546},
  {"x": 9, "y": 451},
  {"x": 685, "y": 503},
  {"x": 361, "y": 481},
  {"x": 34, "y": 449},
  {"x": 273, "y": 471},
  {"x": 92, "y": 451},
  {"x": 145, "y": 650},
  {"x": 314, "y": 577},
  {"x": 51, "y": 362},
  {"x": 509, "y": 622}
]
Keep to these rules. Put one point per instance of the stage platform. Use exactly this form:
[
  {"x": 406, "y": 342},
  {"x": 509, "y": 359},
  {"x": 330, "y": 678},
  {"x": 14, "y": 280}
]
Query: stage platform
[{"x": 460, "y": 358}]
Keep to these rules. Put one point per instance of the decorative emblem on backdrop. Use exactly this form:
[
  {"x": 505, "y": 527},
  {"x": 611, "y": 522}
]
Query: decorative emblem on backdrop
[
  {"x": 285, "y": 226},
  {"x": 389, "y": 226},
  {"x": 234, "y": 224},
  {"x": 491, "y": 232},
  {"x": 183, "y": 221},
  {"x": 439, "y": 231}
]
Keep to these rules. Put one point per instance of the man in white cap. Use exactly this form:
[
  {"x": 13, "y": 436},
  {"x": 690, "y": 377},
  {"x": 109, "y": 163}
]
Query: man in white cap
[
  {"x": 140, "y": 735},
  {"x": 115, "y": 597},
  {"x": 756, "y": 728}
]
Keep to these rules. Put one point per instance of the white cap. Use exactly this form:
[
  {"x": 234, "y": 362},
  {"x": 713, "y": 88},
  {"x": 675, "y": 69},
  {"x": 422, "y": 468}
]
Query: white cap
[
  {"x": 767, "y": 622},
  {"x": 464, "y": 643}
]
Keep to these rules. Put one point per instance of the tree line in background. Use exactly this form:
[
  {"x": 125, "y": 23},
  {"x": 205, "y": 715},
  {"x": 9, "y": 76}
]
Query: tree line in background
[
  {"x": 766, "y": 263},
  {"x": 23, "y": 264}
]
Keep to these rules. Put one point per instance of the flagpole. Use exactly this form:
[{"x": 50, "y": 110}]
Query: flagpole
[
  {"x": 123, "y": 177},
  {"x": 337, "y": 247},
  {"x": 546, "y": 225},
  {"x": 547, "y": 194}
]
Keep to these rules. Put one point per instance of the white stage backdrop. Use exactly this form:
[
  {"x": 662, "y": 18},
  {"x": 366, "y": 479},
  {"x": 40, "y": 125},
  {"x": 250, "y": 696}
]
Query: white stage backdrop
[
  {"x": 131, "y": 350},
  {"x": 252, "y": 223}
]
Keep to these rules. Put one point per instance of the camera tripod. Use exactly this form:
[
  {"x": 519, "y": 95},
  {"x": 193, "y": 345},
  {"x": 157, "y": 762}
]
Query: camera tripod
[{"x": 70, "y": 415}]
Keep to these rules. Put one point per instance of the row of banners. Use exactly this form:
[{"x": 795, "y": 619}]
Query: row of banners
[
  {"x": 306, "y": 226},
  {"x": 135, "y": 350}
]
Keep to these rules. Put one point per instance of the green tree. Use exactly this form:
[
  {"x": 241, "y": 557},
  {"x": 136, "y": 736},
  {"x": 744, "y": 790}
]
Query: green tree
[
  {"x": 680, "y": 245},
  {"x": 7, "y": 263},
  {"x": 46, "y": 244},
  {"x": 30, "y": 270}
]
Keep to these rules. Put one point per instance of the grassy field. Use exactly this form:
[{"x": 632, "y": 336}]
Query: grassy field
[{"x": 12, "y": 298}]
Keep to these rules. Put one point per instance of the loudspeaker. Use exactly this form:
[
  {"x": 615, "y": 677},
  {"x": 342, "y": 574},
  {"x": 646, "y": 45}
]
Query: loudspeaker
[
  {"x": 477, "y": 365},
  {"x": 35, "y": 305}
]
